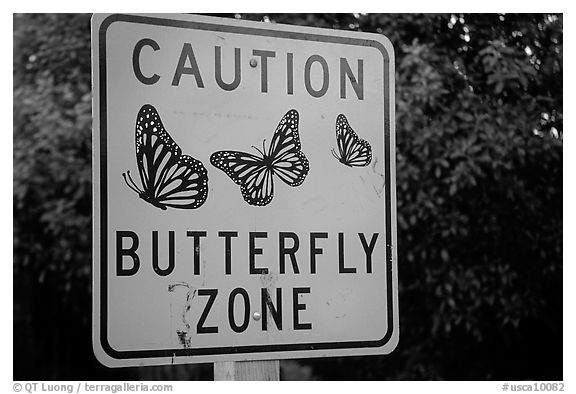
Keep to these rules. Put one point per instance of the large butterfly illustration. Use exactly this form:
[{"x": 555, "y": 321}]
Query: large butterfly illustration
[
  {"x": 254, "y": 173},
  {"x": 352, "y": 150},
  {"x": 169, "y": 178}
]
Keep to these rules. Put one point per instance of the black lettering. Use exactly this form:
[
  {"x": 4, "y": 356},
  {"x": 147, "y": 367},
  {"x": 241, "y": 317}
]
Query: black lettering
[
  {"x": 357, "y": 85},
  {"x": 244, "y": 325},
  {"x": 264, "y": 55},
  {"x": 314, "y": 251},
  {"x": 237, "y": 71},
  {"x": 171, "y": 263},
  {"x": 196, "y": 235},
  {"x": 121, "y": 252},
  {"x": 341, "y": 268},
  {"x": 228, "y": 249},
  {"x": 325, "y": 79},
  {"x": 283, "y": 251},
  {"x": 136, "y": 61},
  {"x": 290, "y": 73},
  {"x": 368, "y": 249},
  {"x": 296, "y": 307},
  {"x": 255, "y": 251},
  {"x": 200, "y": 329},
  {"x": 276, "y": 312},
  {"x": 187, "y": 54}
]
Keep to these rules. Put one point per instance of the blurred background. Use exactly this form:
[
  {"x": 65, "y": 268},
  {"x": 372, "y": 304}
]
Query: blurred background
[{"x": 479, "y": 188}]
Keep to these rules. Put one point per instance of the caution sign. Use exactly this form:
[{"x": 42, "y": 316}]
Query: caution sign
[{"x": 244, "y": 191}]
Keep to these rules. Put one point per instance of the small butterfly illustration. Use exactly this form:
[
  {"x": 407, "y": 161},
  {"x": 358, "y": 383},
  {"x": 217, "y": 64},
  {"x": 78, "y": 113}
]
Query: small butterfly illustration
[
  {"x": 254, "y": 173},
  {"x": 168, "y": 178},
  {"x": 352, "y": 150}
]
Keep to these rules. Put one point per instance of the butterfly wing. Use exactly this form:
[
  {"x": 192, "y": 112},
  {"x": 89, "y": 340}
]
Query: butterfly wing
[
  {"x": 185, "y": 184},
  {"x": 248, "y": 171},
  {"x": 288, "y": 161},
  {"x": 354, "y": 151},
  {"x": 168, "y": 177},
  {"x": 154, "y": 148}
]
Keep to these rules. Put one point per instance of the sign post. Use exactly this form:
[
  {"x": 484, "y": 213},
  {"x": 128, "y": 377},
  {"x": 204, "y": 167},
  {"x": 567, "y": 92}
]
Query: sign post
[
  {"x": 247, "y": 370},
  {"x": 244, "y": 193}
]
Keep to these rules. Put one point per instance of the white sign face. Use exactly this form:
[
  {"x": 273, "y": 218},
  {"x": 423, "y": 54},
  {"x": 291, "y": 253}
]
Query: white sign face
[{"x": 244, "y": 191}]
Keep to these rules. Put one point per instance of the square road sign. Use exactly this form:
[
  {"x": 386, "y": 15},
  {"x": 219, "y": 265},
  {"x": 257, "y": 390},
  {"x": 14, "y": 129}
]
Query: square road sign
[{"x": 244, "y": 191}]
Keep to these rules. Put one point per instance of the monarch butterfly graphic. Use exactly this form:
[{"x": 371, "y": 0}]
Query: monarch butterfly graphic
[
  {"x": 254, "y": 173},
  {"x": 352, "y": 150},
  {"x": 168, "y": 178}
]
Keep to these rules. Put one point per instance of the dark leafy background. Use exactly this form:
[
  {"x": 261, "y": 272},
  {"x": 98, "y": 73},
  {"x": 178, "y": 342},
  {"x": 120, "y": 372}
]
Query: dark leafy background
[{"x": 479, "y": 184}]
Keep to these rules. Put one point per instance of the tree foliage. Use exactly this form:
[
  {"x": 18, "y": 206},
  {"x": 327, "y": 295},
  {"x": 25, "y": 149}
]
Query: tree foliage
[{"x": 479, "y": 189}]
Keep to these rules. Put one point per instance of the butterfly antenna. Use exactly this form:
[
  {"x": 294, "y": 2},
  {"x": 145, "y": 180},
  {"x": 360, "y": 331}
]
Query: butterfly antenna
[
  {"x": 334, "y": 154},
  {"x": 262, "y": 153},
  {"x": 133, "y": 185}
]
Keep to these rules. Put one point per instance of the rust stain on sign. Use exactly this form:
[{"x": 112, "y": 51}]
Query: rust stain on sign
[{"x": 183, "y": 333}]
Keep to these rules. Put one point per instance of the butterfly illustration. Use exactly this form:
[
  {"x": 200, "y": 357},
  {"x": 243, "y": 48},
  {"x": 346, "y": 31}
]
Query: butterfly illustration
[
  {"x": 352, "y": 150},
  {"x": 169, "y": 178},
  {"x": 254, "y": 173}
]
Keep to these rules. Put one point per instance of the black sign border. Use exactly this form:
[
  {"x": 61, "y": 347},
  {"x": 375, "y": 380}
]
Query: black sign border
[{"x": 188, "y": 352}]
